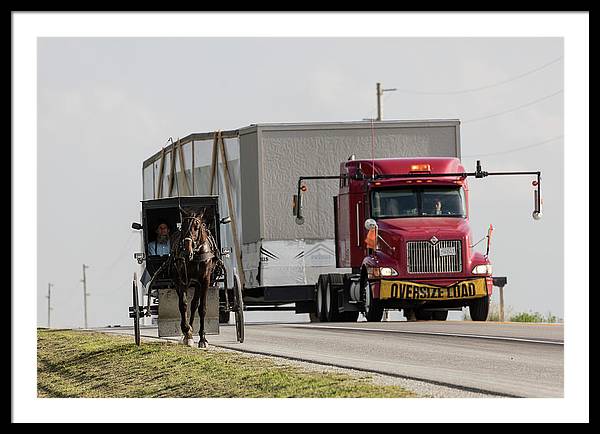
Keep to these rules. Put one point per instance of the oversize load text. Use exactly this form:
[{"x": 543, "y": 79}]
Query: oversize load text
[{"x": 411, "y": 291}]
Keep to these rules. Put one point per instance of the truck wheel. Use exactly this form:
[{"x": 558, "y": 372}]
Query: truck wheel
[
  {"x": 439, "y": 315},
  {"x": 478, "y": 308},
  {"x": 423, "y": 315},
  {"x": 351, "y": 316},
  {"x": 373, "y": 310},
  {"x": 320, "y": 302},
  {"x": 331, "y": 302}
]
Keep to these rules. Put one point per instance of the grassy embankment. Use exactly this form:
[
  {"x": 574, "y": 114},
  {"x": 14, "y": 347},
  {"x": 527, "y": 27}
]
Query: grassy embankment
[{"x": 95, "y": 365}]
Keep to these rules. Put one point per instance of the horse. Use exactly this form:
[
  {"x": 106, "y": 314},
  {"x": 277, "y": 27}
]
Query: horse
[{"x": 193, "y": 259}]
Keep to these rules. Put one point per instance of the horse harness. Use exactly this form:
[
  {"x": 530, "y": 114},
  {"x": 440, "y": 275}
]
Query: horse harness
[{"x": 202, "y": 251}]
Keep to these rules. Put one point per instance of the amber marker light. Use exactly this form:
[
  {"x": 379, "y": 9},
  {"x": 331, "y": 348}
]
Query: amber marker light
[{"x": 420, "y": 168}]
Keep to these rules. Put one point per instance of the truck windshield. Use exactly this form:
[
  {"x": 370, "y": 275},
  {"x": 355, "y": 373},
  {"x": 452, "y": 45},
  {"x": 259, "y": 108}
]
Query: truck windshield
[{"x": 418, "y": 202}]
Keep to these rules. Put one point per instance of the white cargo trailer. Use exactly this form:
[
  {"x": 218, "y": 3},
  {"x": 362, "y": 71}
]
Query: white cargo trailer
[{"x": 279, "y": 261}]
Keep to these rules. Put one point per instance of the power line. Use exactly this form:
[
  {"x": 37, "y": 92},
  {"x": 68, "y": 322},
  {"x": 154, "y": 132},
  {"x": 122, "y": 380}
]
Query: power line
[
  {"x": 533, "y": 145},
  {"x": 488, "y": 86},
  {"x": 50, "y": 285},
  {"x": 513, "y": 109}
]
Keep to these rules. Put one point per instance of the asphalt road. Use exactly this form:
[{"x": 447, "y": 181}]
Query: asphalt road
[{"x": 502, "y": 359}]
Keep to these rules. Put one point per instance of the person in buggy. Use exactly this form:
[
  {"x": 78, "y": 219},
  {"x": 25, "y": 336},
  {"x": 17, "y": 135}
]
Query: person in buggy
[{"x": 162, "y": 245}]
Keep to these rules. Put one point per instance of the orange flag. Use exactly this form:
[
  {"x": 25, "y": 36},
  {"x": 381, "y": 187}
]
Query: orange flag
[{"x": 371, "y": 240}]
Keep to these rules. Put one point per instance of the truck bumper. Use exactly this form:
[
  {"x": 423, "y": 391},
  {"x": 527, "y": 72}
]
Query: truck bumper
[{"x": 394, "y": 290}]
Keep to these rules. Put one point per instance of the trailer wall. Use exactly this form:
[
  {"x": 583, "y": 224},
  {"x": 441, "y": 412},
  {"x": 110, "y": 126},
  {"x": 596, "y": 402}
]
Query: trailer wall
[{"x": 275, "y": 156}]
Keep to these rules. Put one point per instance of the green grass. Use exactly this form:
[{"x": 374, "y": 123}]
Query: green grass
[
  {"x": 95, "y": 365},
  {"x": 534, "y": 317},
  {"x": 494, "y": 315}
]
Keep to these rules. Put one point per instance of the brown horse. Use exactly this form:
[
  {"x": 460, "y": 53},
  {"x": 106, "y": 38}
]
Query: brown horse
[{"x": 194, "y": 256}]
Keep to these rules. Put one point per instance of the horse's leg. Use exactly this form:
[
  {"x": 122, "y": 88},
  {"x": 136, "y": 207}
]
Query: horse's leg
[
  {"x": 203, "y": 288},
  {"x": 185, "y": 327},
  {"x": 194, "y": 306}
]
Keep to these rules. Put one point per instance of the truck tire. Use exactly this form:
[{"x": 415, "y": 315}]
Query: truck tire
[
  {"x": 351, "y": 316},
  {"x": 331, "y": 300},
  {"x": 423, "y": 315},
  {"x": 373, "y": 310},
  {"x": 478, "y": 308},
  {"x": 320, "y": 301},
  {"x": 439, "y": 315}
]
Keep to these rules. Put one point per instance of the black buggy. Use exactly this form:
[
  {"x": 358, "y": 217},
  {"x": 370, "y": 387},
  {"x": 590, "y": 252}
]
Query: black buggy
[{"x": 155, "y": 276}]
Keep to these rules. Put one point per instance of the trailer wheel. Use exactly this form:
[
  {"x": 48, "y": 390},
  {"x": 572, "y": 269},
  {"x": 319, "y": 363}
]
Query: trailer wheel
[
  {"x": 373, "y": 310},
  {"x": 478, "y": 308}
]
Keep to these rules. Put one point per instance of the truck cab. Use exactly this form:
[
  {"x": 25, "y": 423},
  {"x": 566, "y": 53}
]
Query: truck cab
[{"x": 420, "y": 258}]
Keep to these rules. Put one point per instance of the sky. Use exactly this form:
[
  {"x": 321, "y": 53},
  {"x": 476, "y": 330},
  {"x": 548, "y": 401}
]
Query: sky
[
  {"x": 96, "y": 94},
  {"x": 106, "y": 104}
]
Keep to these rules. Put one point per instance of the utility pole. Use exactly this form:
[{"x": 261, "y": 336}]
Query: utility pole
[
  {"x": 49, "y": 308},
  {"x": 379, "y": 94},
  {"x": 85, "y": 294}
]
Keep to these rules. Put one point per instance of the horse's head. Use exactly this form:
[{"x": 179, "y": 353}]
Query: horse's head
[{"x": 193, "y": 230}]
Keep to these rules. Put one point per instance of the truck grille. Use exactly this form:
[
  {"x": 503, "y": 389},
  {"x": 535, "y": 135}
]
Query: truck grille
[{"x": 424, "y": 257}]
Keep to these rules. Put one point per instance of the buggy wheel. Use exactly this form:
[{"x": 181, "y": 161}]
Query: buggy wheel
[
  {"x": 136, "y": 311},
  {"x": 238, "y": 308}
]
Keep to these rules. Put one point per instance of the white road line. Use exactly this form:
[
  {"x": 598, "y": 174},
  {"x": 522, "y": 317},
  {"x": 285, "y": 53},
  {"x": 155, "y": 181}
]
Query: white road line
[{"x": 502, "y": 338}]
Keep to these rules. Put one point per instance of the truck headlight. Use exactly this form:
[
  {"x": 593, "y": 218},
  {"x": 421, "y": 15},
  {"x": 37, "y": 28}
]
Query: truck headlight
[
  {"x": 483, "y": 269},
  {"x": 387, "y": 272},
  {"x": 381, "y": 272}
]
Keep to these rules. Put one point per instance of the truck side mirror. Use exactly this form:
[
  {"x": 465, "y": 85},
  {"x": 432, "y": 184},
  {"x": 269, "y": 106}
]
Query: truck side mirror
[
  {"x": 370, "y": 224},
  {"x": 489, "y": 240},
  {"x": 371, "y": 239},
  {"x": 136, "y": 226},
  {"x": 295, "y": 205},
  {"x": 537, "y": 206},
  {"x": 296, "y": 209}
]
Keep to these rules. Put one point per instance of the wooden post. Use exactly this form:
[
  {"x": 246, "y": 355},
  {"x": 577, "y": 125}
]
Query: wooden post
[
  {"x": 213, "y": 166},
  {"x": 186, "y": 190},
  {"x": 49, "y": 308},
  {"x": 232, "y": 212},
  {"x": 172, "y": 180},
  {"x": 502, "y": 303},
  {"x": 158, "y": 191}
]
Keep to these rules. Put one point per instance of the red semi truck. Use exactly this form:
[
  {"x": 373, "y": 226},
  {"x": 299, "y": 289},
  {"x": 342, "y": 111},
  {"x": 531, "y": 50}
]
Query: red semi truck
[{"x": 402, "y": 227}]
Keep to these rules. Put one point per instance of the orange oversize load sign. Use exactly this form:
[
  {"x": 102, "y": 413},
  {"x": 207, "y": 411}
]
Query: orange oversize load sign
[{"x": 396, "y": 289}]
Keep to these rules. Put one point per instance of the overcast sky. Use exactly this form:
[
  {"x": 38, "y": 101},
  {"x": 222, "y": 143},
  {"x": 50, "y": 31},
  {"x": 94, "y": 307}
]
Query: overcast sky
[{"x": 106, "y": 104}]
